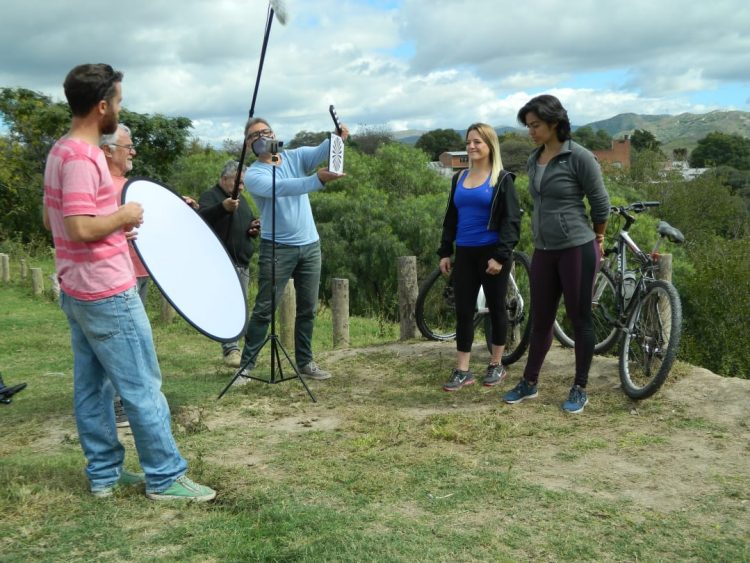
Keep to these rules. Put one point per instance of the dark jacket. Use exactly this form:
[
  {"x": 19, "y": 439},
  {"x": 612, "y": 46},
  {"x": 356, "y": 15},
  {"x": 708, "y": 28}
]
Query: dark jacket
[
  {"x": 559, "y": 218},
  {"x": 505, "y": 218},
  {"x": 238, "y": 243}
]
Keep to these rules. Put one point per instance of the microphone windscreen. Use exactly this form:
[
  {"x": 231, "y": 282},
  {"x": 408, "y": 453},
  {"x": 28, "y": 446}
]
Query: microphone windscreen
[{"x": 279, "y": 8}]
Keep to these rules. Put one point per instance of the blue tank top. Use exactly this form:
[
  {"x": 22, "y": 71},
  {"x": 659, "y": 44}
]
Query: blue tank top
[{"x": 473, "y": 205}]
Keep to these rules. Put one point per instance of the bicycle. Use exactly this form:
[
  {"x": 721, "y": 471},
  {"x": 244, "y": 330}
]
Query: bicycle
[
  {"x": 632, "y": 306},
  {"x": 435, "y": 309}
]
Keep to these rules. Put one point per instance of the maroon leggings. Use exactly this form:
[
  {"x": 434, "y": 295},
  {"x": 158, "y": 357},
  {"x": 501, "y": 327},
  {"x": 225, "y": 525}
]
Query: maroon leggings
[{"x": 570, "y": 273}]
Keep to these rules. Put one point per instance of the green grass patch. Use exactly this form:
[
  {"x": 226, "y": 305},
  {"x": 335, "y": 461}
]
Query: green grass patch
[{"x": 384, "y": 467}]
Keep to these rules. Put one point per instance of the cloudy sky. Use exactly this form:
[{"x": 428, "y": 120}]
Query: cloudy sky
[{"x": 402, "y": 64}]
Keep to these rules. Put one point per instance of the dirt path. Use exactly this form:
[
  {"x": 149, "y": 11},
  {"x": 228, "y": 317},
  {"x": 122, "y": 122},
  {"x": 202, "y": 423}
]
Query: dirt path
[{"x": 690, "y": 441}]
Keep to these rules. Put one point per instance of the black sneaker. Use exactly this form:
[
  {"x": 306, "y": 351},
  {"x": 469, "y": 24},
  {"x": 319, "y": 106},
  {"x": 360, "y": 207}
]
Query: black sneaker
[
  {"x": 458, "y": 379},
  {"x": 121, "y": 419},
  {"x": 495, "y": 374}
]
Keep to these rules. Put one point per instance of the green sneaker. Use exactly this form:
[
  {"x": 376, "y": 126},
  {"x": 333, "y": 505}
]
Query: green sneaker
[
  {"x": 184, "y": 489},
  {"x": 127, "y": 479}
]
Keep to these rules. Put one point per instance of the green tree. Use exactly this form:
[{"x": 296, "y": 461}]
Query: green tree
[
  {"x": 646, "y": 166},
  {"x": 370, "y": 137},
  {"x": 594, "y": 141},
  {"x": 35, "y": 122},
  {"x": 307, "y": 139},
  {"x": 197, "y": 170},
  {"x": 702, "y": 208},
  {"x": 159, "y": 140},
  {"x": 438, "y": 141},
  {"x": 515, "y": 151},
  {"x": 716, "y": 308},
  {"x": 642, "y": 140},
  {"x": 390, "y": 204},
  {"x": 716, "y": 149}
]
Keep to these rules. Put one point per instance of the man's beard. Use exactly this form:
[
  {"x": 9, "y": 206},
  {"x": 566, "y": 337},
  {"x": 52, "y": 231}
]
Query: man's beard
[{"x": 109, "y": 123}]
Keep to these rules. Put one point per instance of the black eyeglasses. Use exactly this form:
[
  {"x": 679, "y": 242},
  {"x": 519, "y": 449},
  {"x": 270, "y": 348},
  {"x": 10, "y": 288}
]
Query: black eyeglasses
[
  {"x": 129, "y": 148},
  {"x": 258, "y": 134}
]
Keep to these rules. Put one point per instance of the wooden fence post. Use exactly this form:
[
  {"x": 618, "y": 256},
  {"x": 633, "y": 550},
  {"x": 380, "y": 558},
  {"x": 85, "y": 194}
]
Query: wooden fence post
[
  {"x": 407, "y": 296},
  {"x": 340, "y": 312},
  {"x": 665, "y": 267},
  {"x": 5, "y": 267},
  {"x": 55, "y": 286},
  {"x": 37, "y": 281},
  {"x": 24, "y": 269},
  {"x": 167, "y": 311},
  {"x": 287, "y": 315}
]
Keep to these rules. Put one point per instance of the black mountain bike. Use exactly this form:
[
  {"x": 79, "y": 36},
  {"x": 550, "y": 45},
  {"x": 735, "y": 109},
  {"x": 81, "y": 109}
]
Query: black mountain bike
[
  {"x": 436, "y": 309},
  {"x": 633, "y": 307}
]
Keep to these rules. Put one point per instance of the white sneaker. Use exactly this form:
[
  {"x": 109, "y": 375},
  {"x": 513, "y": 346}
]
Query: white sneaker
[{"x": 243, "y": 378}]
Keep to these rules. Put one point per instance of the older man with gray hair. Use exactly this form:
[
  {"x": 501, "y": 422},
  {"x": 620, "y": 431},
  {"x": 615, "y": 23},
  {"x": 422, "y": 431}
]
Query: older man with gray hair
[
  {"x": 234, "y": 223},
  {"x": 119, "y": 151}
]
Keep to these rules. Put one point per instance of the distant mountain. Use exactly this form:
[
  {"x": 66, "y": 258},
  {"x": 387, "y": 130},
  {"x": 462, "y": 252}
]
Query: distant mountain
[
  {"x": 673, "y": 131},
  {"x": 411, "y": 136}
]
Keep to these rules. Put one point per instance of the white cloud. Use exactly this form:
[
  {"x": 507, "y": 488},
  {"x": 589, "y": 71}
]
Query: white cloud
[{"x": 471, "y": 61}]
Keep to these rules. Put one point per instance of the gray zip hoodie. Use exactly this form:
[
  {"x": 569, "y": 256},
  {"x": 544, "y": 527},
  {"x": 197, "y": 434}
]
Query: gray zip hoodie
[{"x": 559, "y": 220}]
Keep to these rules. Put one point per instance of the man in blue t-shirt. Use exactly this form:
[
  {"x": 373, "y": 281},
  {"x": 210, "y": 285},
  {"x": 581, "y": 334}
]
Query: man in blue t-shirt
[{"x": 296, "y": 237}]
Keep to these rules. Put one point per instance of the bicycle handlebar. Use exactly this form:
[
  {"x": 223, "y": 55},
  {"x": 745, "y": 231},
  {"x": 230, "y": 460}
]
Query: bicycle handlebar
[{"x": 637, "y": 207}]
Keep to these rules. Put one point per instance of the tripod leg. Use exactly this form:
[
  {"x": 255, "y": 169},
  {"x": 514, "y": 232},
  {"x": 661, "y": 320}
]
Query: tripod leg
[
  {"x": 296, "y": 371},
  {"x": 238, "y": 374}
]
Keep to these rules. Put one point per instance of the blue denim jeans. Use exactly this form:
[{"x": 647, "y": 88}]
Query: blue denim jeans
[
  {"x": 112, "y": 342},
  {"x": 244, "y": 274},
  {"x": 301, "y": 263}
]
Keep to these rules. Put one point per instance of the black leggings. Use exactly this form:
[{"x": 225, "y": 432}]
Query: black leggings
[
  {"x": 571, "y": 273},
  {"x": 469, "y": 272}
]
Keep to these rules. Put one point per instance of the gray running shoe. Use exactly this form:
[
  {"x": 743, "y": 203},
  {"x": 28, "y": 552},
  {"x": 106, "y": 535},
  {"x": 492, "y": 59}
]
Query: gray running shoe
[
  {"x": 495, "y": 374},
  {"x": 458, "y": 379}
]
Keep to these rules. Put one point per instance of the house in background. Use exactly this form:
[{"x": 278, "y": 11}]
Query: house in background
[
  {"x": 454, "y": 160},
  {"x": 618, "y": 156},
  {"x": 684, "y": 169}
]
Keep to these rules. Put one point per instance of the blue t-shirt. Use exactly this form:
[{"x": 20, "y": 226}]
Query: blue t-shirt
[
  {"x": 473, "y": 205},
  {"x": 295, "y": 225}
]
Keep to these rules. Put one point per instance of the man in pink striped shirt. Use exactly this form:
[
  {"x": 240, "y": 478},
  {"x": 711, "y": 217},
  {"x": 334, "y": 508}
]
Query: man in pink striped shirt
[{"x": 110, "y": 332}]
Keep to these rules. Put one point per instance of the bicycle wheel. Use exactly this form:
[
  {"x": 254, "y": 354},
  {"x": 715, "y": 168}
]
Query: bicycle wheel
[
  {"x": 650, "y": 343},
  {"x": 563, "y": 328},
  {"x": 603, "y": 313},
  {"x": 435, "y": 310},
  {"x": 518, "y": 306}
]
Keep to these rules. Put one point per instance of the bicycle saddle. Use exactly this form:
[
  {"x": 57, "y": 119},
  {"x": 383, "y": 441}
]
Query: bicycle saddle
[{"x": 666, "y": 230}]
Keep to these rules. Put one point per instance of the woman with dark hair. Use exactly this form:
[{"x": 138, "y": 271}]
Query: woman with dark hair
[
  {"x": 567, "y": 245},
  {"x": 483, "y": 219}
]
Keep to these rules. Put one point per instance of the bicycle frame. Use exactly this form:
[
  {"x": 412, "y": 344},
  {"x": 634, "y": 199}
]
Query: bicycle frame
[{"x": 646, "y": 263}]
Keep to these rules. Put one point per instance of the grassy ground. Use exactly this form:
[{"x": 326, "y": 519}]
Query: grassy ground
[{"x": 384, "y": 467}]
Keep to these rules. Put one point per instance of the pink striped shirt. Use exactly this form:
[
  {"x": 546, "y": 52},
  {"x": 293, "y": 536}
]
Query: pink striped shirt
[{"x": 77, "y": 182}]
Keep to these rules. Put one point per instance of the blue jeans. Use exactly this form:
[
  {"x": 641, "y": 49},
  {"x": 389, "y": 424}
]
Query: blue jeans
[
  {"x": 301, "y": 263},
  {"x": 244, "y": 274},
  {"x": 112, "y": 342}
]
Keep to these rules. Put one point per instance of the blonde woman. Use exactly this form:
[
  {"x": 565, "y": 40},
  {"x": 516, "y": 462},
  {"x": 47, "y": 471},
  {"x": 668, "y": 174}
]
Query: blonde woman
[{"x": 483, "y": 221}]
